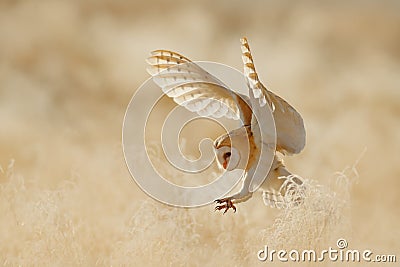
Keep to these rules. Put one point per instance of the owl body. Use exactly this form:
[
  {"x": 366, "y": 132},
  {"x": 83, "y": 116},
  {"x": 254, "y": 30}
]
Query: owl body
[{"x": 197, "y": 90}]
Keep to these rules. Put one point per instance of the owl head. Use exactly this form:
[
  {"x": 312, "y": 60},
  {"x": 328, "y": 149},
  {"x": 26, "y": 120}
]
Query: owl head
[
  {"x": 227, "y": 154},
  {"x": 228, "y": 157}
]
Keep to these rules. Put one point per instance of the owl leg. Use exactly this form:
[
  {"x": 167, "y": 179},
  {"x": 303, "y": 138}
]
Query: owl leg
[
  {"x": 243, "y": 195},
  {"x": 230, "y": 201},
  {"x": 228, "y": 204}
]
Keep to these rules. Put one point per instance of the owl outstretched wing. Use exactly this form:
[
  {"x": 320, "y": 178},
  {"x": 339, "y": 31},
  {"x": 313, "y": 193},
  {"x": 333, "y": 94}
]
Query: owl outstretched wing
[
  {"x": 290, "y": 131},
  {"x": 194, "y": 88}
]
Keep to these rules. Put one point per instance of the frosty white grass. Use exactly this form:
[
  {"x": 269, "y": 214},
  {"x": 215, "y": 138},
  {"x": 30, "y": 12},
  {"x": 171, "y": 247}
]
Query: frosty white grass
[{"x": 41, "y": 227}]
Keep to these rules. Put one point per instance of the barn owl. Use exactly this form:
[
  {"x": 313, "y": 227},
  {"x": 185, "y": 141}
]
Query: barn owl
[{"x": 194, "y": 88}]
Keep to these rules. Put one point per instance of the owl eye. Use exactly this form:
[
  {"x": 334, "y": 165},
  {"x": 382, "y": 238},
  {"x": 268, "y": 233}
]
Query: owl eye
[
  {"x": 233, "y": 158},
  {"x": 228, "y": 157}
]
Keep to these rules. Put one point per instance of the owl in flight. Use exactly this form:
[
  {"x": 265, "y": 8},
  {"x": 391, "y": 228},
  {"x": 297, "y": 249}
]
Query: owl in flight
[{"x": 197, "y": 90}]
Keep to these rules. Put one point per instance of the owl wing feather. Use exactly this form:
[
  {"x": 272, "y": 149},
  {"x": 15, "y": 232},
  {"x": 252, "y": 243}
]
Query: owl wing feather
[
  {"x": 194, "y": 88},
  {"x": 288, "y": 122}
]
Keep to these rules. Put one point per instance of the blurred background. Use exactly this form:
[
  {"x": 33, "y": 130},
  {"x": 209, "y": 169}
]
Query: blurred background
[{"x": 69, "y": 68}]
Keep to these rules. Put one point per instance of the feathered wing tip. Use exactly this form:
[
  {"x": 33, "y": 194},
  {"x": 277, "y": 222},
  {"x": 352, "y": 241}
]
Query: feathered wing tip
[
  {"x": 163, "y": 59},
  {"x": 259, "y": 90},
  {"x": 250, "y": 72},
  {"x": 192, "y": 87},
  {"x": 290, "y": 194},
  {"x": 289, "y": 123}
]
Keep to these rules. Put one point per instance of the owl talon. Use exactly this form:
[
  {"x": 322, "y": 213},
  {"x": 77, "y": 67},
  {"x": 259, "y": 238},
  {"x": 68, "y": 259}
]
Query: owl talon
[{"x": 228, "y": 204}]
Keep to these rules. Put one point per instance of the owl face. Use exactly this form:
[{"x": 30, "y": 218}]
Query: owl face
[{"x": 227, "y": 157}]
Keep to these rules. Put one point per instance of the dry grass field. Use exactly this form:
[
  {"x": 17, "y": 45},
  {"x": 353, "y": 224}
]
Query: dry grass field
[{"x": 69, "y": 68}]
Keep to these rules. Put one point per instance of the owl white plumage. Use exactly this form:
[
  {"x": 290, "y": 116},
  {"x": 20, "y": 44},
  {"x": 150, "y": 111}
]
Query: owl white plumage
[{"x": 191, "y": 86}]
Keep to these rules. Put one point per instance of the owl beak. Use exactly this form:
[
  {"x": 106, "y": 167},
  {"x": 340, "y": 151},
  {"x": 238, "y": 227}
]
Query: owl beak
[{"x": 225, "y": 164}]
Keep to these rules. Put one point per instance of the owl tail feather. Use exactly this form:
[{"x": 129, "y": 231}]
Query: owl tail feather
[{"x": 290, "y": 194}]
